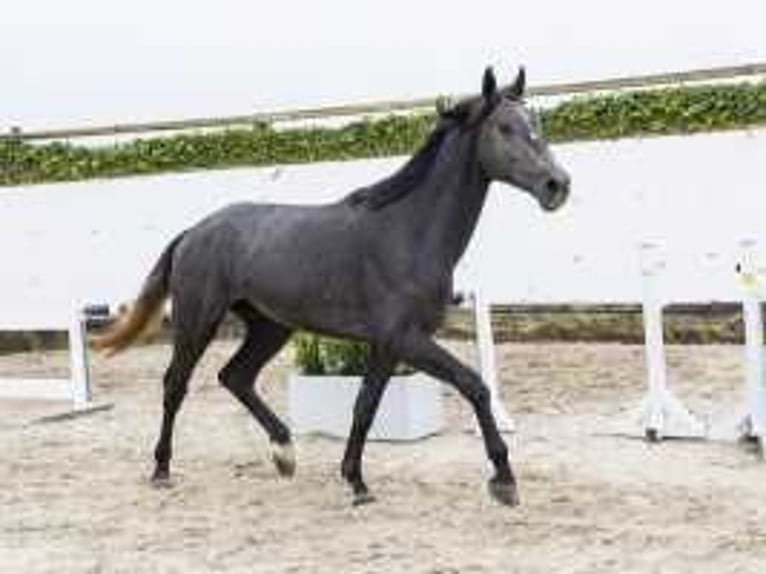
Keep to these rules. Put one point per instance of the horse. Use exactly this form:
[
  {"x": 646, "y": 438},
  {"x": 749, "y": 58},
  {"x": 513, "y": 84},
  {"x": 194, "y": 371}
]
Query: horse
[{"x": 376, "y": 266}]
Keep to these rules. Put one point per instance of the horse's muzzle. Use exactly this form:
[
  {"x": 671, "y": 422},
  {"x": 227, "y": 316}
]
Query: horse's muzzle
[{"x": 554, "y": 192}]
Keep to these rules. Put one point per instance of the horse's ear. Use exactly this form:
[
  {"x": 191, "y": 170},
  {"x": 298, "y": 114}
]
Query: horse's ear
[
  {"x": 489, "y": 84},
  {"x": 516, "y": 90}
]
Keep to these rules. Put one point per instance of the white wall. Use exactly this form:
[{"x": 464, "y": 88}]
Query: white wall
[
  {"x": 698, "y": 197},
  {"x": 99, "y": 62},
  {"x": 94, "y": 241}
]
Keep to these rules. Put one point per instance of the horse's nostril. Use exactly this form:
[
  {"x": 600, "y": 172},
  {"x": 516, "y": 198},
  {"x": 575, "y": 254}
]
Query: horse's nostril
[
  {"x": 552, "y": 186},
  {"x": 558, "y": 185},
  {"x": 555, "y": 193}
]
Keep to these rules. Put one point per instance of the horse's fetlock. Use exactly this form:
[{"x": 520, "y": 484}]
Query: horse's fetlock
[
  {"x": 349, "y": 470},
  {"x": 499, "y": 453}
]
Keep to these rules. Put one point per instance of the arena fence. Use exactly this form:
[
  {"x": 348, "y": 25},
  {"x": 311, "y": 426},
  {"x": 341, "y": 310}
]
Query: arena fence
[{"x": 564, "y": 89}]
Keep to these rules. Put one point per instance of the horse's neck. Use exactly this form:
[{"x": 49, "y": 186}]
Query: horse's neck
[{"x": 442, "y": 215}]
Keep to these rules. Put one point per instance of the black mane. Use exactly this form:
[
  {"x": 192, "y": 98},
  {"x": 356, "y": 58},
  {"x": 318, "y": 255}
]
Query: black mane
[
  {"x": 409, "y": 176},
  {"x": 462, "y": 115}
]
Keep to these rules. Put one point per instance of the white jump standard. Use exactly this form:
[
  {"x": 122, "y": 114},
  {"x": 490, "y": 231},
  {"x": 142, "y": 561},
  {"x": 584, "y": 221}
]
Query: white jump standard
[
  {"x": 664, "y": 415},
  {"x": 75, "y": 388},
  {"x": 754, "y": 422}
]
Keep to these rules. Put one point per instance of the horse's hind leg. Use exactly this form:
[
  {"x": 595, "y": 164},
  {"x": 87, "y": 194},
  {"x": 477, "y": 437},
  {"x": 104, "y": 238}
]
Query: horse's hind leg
[
  {"x": 193, "y": 331},
  {"x": 263, "y": 339}
]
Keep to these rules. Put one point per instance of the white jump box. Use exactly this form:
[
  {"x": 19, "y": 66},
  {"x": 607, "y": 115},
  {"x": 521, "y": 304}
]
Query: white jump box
[{"x": 411, "y": 407}]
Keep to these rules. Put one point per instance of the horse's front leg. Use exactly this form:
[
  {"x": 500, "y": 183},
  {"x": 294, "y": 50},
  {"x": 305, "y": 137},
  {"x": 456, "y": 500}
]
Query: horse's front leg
[
  {"x": 418, "y": 350},
  {"x": 380, "y": 367}
]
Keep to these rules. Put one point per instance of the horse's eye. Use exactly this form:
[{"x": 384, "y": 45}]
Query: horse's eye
[{"x": 505, "y": 129}]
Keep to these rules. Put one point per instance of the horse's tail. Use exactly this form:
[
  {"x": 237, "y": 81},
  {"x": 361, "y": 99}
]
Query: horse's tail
[{"x": 145, "y": 315}]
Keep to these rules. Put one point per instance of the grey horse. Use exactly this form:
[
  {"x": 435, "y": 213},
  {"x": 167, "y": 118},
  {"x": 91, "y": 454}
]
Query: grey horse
[{"x": 376, "y": 266}]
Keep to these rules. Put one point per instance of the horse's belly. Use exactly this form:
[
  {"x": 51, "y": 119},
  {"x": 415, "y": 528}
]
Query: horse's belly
[{"x": 313, "y": 291}]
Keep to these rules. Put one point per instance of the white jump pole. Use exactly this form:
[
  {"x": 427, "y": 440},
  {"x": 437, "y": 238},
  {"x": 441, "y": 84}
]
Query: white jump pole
[
  {"x": 663, "y": 414},
  {"x": 754, "y": 424},
  {"x": 487, "y": 365}
]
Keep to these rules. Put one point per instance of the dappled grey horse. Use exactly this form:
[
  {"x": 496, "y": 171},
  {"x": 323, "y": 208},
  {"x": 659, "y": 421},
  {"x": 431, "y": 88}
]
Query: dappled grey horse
[{"x": 376, "y": 266}]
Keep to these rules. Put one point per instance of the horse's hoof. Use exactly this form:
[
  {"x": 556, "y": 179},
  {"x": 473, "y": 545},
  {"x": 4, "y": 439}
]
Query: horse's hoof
[
  {"x": 362, "y": 498},
  {"x": 504, "y": 492},
  {"x": 283, "y": 457}
]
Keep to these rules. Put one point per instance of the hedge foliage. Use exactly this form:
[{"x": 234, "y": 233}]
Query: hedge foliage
[
  {"x": 319, "y": 355},
  {"x": 641, "y": 113},
  {"x": 316, "y": 355}
]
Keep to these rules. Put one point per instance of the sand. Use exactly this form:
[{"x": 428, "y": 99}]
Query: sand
[{"x": 75, "y": 495}]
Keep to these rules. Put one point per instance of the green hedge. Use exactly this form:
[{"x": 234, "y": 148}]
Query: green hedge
[
  {"x": 315, "y": 355},
  {"x": 651, "y": 112}
]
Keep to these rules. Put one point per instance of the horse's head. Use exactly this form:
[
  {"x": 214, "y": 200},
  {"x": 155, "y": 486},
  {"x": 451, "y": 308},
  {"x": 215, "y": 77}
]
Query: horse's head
[{"x": 511, "y": 148}]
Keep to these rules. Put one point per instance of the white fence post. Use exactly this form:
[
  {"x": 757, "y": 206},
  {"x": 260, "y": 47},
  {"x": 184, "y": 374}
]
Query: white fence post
[
  {"x": 656, "y": 369},
  {"x": 754, "y": 424},
  {"x": 663, "y": 414},
  {"x": 486, "y": 352}
]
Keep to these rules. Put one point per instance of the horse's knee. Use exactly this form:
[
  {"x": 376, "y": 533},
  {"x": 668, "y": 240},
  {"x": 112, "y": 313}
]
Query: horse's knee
[
  {"x": 477, "y": 393},
  {"x": 483, "y": 396},
  {"x": 230, "y": 379}
]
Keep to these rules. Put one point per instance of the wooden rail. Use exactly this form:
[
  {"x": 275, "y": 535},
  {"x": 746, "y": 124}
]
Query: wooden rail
[{"x": 387, "y": 106}]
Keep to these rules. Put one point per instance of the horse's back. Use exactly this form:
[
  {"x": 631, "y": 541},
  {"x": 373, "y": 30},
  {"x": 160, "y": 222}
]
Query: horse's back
[
  {"x": 239, "y": 232},
  {"x": 276, "y": 256}
]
